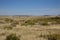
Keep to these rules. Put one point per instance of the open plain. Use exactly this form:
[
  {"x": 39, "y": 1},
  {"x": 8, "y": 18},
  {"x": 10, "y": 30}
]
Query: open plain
[{"x": 29, "y": 27}]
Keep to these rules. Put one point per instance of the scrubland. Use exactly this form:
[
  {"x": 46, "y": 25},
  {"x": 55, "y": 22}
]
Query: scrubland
[{"x": 29, "y": 27}]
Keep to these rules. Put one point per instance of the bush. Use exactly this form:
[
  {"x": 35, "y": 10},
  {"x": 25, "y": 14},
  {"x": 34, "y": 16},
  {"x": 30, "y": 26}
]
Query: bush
[
  {"x": 28, "y": 22},
  {"x": 9, "y": 27},
  {"x": 54, "y": 37},
  {"x": 12, "y": 37},
  {"x": 13, "y": 24},
  {"x": 44, "y": 23},
  {"x": 51, "y": 36},
  {"x": 8, "y": 20}
]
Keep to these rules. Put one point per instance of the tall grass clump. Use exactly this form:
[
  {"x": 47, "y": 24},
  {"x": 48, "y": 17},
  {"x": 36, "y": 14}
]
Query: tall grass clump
[
  {"x": 13, "y": 24},
  {"x": 12, "y": 37},
  {"x": 51, "y": 36},
  {"x": 28, "y": 22},
  {"x": 44, "y": 23},
  {"x": 8, "y": 28},
  {"x": 8, "y": 20}
]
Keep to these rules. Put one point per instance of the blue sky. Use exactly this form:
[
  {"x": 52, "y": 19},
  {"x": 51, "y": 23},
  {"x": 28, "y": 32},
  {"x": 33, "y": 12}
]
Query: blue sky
[{"x": 29, "y": 7}]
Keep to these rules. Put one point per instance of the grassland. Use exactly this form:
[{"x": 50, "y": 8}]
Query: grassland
[{"x": 30, "y": 27}]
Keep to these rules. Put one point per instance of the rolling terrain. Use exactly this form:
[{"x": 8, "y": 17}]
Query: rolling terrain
[{"x": 29, "y": 27}]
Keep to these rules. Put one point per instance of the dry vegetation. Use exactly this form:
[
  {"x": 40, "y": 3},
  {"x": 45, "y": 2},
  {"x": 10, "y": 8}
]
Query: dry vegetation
[{"x": 29, "y": 28}]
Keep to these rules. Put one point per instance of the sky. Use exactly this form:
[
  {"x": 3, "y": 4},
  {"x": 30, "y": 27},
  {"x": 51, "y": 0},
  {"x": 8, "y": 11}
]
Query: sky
[{"x": 29, "y": 7}]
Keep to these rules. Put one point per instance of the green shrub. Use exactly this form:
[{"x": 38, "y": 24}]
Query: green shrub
[{"x": 12, "y": 37}]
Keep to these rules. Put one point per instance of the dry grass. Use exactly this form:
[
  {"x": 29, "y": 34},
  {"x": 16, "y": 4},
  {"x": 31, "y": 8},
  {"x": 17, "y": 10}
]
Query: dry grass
[{"x": 31, "y": 27}]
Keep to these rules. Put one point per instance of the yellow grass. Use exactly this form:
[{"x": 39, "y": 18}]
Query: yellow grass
[{"x": 13, "y": 26}]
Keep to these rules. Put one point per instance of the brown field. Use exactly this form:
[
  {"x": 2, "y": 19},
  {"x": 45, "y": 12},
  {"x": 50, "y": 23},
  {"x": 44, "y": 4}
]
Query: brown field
[{"x": 29, "y": 27}]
